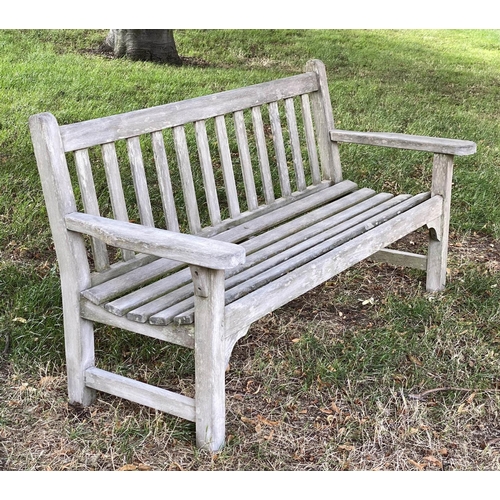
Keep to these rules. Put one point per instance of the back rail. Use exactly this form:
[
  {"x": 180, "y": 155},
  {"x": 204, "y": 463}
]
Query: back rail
[{"x": 122, "y": 126}]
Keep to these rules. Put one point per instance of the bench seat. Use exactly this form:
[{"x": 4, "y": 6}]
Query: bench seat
[{"x": 332, "y": 219}]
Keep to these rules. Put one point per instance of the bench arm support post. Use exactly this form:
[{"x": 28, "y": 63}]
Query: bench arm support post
[
  {"x": 442, "y": 175},
  {"x": 210, "y": 357}
]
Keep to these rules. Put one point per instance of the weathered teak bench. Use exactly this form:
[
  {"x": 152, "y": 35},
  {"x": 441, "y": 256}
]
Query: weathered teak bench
[{"x": 223, "y": 208}]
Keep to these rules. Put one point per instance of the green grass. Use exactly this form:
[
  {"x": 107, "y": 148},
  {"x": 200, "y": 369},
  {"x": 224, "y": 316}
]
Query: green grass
[{"x": 363, "y": 343}]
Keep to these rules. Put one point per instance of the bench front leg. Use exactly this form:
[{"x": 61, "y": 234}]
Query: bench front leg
[
  {"x": 437, "y": 256},
  {"x": 209, "y": 358}
]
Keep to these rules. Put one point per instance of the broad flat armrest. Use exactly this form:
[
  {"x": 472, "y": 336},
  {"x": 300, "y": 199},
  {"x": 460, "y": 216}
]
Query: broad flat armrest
[
  {"x": 405, "y": 141},
  {"x": 186, "y": 248}
]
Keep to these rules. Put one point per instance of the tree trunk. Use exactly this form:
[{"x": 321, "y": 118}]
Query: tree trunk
[{"x": 143, "y": 45}]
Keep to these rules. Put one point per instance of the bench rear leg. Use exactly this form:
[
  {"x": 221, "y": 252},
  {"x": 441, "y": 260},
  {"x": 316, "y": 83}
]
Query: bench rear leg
[
  {"x": 209, "y": 358},
  {"x": 439, "y": 231},
  {"x": 79, "y": 345}
]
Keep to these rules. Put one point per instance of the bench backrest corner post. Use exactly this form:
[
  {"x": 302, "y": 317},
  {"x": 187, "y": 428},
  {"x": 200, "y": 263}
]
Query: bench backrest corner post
[
  {"x": 322, "y": 109},
  {"x": 59, "y": 200}
]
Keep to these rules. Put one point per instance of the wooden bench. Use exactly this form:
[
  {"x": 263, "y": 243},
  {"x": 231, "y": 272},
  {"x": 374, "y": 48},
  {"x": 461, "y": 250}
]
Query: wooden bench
[{"x": 204, "y": 215}]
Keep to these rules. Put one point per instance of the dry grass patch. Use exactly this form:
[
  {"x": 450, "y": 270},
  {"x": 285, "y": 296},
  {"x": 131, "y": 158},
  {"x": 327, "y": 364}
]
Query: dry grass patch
[{"x": 341, "y": 379}]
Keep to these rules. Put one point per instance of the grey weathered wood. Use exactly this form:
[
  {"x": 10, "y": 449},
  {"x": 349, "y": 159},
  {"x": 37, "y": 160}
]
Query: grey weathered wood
[
  {"x": 188, "y": 190},
  {"x": 404, "y": 141},
  {"x": 150, "y": 299},
  {"x": 310, "y": 139},
  {"x": 179, "y": 335},
  {"x": 309, "y": 249},
  {"x": 160, "y": 242},
  {"x": 203, "y": 290},
  {"x": 246, "y": 162},
  {"x": 207, "y": 172},
  {"x": 262, "y": 152},
  {"x": 113, "y": 128},
  {"x": 279, "y": 149},
  {"x": 210, "y": 356},
  {"x": 140, "y": 182},
  {"x": 399, "y": 258},
  {"x": 290, "y": 286},
  {"x": 442, "y": 177},
  {"x": 260, "y": 250},
  {"x": 139, "y": 392},
  {"x": 90, "y": 203},
  {"x": 322, "y": 110},
  {"x": 164, "y": 181},
  {"x": 295, "y": 144},
  {"x": 227, "y": 166},
  {"x": 71, "y": 253},
  {"x": 115, "y": 188}
]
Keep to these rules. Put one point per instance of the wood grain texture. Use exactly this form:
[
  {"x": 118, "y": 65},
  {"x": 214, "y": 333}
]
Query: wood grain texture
[
  {"x": 134, "y": 123},
  {"x": 159, "y": 242},
  {"x": 404, "y": 141}
]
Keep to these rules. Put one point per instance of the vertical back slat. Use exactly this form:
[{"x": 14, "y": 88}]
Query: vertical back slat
[
  {"x": 260, "y": 140},
  {"x": 140, "y": 182},
  {"x": 227, "y": 166},
  {"x": 295, "y": 144},
  {"x": 246, "y": 164},
  {"x": 115, "y": 187},
  {"x": 91, "y": 204},
  {"x": 164, "y": 181},
  {"x": 310, "y": 139},
  {"x": 279, "y": 148},
  {"x": 188, "y": 190},
  {"x": 207, "y": 172}
]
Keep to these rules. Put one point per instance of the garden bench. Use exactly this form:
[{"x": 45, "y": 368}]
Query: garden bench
[{"x": 189, "y": 221}]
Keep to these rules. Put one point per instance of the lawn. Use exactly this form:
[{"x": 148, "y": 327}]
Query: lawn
[{"x": 368, "y": 372}]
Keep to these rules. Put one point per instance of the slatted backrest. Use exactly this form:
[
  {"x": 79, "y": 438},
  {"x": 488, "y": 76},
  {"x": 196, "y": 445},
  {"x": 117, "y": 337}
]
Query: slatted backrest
[{"x": 205, "y": 161}]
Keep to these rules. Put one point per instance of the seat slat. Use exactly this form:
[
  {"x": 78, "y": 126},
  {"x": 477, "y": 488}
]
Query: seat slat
[
  {"x": 304, "y": 246},
  {"x": 153, "y": 298},
  {"x": 290, "y": 286},
  {"x": 106, "y": 290},
  {"x": 304, "y": 252}
]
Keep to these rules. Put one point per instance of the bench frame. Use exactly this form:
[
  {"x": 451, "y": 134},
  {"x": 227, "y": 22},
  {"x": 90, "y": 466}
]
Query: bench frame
[{"x": 206, "y": 252}]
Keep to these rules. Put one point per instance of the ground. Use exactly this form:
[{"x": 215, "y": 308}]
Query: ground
[{"x": 278, "y": 417}]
